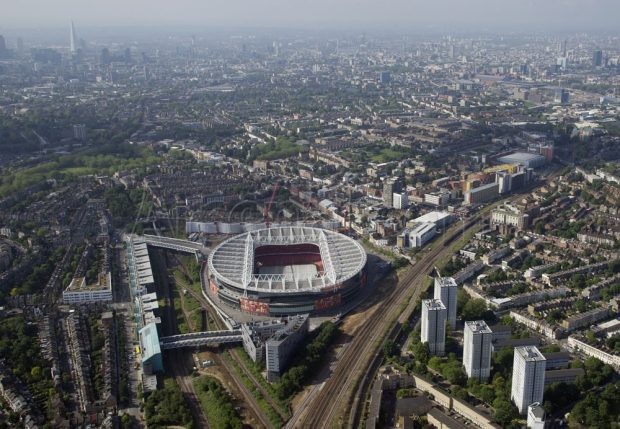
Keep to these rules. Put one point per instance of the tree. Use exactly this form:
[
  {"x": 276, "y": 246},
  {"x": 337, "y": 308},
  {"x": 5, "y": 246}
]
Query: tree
[
  {"x": 421, "y": 352},
  {"x": 391, "y": 349},
  {"x": 476, "y": 309},
  {"x": 435, "y": 363},
  {"x": 126, "y": 421},
  {"x": 487, "y": 393},
  {"x": 557, "y": 395},
  {"x": 35, "y": 372},
  {"x": 505, "y": 412},
  {"x": 502, "y": 362},
  {"x": 462, "y": 298},
  {"x": 455, "y": 374}
]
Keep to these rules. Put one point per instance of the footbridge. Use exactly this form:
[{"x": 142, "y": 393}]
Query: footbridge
[
  {"x": 185, "y": 246},
  {"x": 197, "y": 339}
]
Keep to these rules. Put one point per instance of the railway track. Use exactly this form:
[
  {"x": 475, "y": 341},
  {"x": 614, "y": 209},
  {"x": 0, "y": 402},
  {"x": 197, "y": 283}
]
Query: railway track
[
  {"x": 322, "y": 411},
  {"x": 248, "y": 397}
]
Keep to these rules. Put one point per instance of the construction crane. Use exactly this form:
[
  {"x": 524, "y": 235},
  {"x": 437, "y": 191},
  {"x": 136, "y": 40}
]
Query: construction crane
[{"x": 268, "y": 206}]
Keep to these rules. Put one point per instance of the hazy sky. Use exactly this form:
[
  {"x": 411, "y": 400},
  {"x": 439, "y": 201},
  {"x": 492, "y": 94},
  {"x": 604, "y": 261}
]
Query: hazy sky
[{"x": 569, "y": 15}]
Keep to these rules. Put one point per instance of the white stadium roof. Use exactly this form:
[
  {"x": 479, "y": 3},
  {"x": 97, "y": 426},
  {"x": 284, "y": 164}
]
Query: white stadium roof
[{"x": 232, "y": 262}]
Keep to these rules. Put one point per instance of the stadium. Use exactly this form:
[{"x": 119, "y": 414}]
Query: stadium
[{"x": 286, "y": 271}]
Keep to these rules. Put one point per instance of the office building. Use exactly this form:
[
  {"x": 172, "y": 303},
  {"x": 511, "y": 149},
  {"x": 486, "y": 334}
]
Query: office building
[
  {"x": 482, "y": 194},
  {"x": 279, "y": 349},
  {"x": 390, "y": 187},
  {"x": 597, "y": 58},
  {"x": 79, "y": 132},
  {"x": 451, "y": 51},
  {"x": 105, "y": 57},
  {"x": 400, "y": 200},
  {"x": 439, "y": 198},
  {"x": 548, "y": 152},
  {"x": 445, "y": 291},
  {"x": 561, "y": 96},
  {"x": 528, "y": 377},
  {"x": 509, "y": 216},
  {"x": 73, "y": 44},
  {"x": 384, "y": 77},
  {"x": 434, "y": 316},
  {"x": 477, "y": 349},
  {"x": 535, "y": 416}
]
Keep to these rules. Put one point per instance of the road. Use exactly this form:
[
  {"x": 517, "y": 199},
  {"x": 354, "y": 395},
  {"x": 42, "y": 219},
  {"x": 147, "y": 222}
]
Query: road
[{"x": 335, "y": 396}]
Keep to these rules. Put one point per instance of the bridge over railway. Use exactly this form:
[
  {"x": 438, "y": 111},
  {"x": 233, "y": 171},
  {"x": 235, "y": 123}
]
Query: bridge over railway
[
  {"x": 197, "y": 339},
  {"x": 179, "y": 245}
]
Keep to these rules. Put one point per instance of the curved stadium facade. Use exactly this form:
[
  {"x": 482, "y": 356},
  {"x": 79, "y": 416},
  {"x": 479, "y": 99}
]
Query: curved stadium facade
[{"x": 286, "y": 270}]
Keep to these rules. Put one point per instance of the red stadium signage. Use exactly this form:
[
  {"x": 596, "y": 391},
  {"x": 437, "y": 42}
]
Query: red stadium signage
[
  {"x": 327, "y": 302},
  {"x": 254, "y": 307},
  {"x": 213, "y": 287}
]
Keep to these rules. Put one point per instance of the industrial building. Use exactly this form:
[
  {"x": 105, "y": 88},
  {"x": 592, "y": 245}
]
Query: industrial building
[
  {"x": 421, "y": 234},
  {"x": 529, "y": 160}
]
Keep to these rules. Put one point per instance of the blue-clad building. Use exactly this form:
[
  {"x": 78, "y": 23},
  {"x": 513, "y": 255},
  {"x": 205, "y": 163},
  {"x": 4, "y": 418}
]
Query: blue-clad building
[{"x": 152, "y": 360}]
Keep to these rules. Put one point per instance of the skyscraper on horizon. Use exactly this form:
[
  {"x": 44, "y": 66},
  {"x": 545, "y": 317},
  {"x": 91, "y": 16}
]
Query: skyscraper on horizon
[
  {"x": 73, "y": 39},
  {"x": 528, "y": 377},
  {"x": 434, "y": 315},
  {"x": 445, "y": 291},
  {"x": 477, "y": 350},
  {"x": 597, "y": 58}
]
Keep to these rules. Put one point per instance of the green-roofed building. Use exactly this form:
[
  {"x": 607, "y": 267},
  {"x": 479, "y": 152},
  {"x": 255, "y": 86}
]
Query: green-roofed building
[{"x": 152, "y": 360}]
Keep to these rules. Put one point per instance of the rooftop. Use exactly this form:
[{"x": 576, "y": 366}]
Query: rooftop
[
  {"x": 149, "y": 341},
  {"x": 433, "y": 304},
  {"x": 433, "y": 217},
  {"x": 78, "y": 284},
  {"x": 445, "y": 281},
  {"x": 478, "y": 326},
  {"x": 521, "y": 157},
  {"x": 232, "y": 262},
  {"x": 530, "y": 353}
]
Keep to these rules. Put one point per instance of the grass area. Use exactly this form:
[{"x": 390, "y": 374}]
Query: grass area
[
  {"x": 264, "y": 405},
  {"x": 387, "y": 154},
  {"x": 75, "y": 165},
  {"x": 216, "y": 403},
  {"x": 192, "y": 318},
  {"x": 182, "y": 324},
  {"x": 282, "y": 148}
]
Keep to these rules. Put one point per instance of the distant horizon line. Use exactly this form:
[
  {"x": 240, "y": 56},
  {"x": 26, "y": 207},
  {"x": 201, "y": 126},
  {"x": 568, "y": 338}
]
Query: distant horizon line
[{"x": 396, "y": 28}]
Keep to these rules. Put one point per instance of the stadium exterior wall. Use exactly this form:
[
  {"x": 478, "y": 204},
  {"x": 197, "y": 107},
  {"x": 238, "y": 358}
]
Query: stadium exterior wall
[{"x": 286, "y": 304}]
